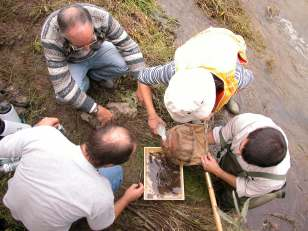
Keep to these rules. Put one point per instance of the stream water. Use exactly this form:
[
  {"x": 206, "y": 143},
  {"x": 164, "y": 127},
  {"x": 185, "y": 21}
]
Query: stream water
[{"x": 280, "y": 91}]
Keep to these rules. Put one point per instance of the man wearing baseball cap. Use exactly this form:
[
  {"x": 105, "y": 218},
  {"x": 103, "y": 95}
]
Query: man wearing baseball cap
[{"x": 217, "y": 54}]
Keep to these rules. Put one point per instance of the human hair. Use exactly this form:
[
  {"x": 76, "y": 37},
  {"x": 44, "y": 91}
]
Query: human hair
[
  {"x": 110, "y": 144},
  {"x": 70, "y": 15},
  {"x": 266, "y": 147}
]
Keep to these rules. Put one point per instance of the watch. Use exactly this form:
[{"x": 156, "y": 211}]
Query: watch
[{"x": 95, "y": 110}]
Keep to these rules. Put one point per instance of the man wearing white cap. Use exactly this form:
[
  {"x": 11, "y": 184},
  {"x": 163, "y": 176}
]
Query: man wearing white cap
[{"x": 217, "y": 54}]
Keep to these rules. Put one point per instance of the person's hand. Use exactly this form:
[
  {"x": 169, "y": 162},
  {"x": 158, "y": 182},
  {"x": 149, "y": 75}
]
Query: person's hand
[
  {"x": 139, "y": 95},
  {"x": 210, "y": 164},
  {"x": 154, "y": 121},
  {"x": 103, "y": 115},
  {"x": 133, "y": 192},
  {"x": 49, "y": 121}
]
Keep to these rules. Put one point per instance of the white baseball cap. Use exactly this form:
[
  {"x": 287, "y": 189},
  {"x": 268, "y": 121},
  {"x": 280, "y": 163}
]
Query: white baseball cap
[{"x": 191, "y": 95}]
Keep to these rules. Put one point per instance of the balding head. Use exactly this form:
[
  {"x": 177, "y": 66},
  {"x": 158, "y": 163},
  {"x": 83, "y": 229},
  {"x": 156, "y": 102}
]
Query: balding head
[
  {"x": 72, "y": 15},
  {"x": 111, "y": 144},
  {"x": 75, "y": 23}
]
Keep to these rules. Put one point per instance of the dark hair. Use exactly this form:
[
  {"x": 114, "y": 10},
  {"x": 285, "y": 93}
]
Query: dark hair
[
  {"x": 111, "y": 144},
  {"x": 266, "y": 147},
  {"x": 69, "y": 19}
]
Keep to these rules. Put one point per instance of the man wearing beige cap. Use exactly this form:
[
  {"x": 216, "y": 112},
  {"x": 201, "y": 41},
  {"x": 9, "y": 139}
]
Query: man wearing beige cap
[{"x": 191, "y": 95}]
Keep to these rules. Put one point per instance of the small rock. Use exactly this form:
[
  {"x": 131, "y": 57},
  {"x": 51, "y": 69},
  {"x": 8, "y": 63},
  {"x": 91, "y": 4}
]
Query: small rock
[
  {"x": 20, "y": 101},
  {"x": 19, "y": 37},
  {"x": 2, "y": 84},
  {"x": 122, "y": 109},
  {"x": 21, "y": 111},
  {"x": 11, "y": 90},
  {"x": 271, "y": 12},
  {"x": 11, "y": 43},
  {"x": 91, "y": 120}
]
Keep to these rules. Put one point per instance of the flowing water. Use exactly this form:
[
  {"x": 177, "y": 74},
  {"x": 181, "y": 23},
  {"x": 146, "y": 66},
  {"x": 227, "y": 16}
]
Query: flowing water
[{"x": 280, "y": 91}]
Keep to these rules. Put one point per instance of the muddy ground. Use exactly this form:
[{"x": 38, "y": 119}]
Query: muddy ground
[{"x": 279, "y": 91}]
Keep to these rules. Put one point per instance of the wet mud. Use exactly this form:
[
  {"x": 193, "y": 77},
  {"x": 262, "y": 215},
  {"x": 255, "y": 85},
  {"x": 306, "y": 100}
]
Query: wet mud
[
  {"x": 280, "y": 91},
  {"x": 164, "y": 175}
]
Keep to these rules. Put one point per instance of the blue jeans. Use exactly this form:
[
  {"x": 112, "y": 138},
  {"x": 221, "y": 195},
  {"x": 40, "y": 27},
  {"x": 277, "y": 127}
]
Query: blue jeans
[
  {"x": 107, "y": 63},
  {"x": 114, "y": 174}
]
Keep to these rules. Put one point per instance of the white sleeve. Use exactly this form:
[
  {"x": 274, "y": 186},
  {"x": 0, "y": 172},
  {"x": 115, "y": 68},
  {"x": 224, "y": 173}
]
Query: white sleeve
[
  {"x": 248, "y": 187},
  {"x": 104, "y": 218},
  {"x": 227, "y": 131},
  {"x": 13, "y": 145},
  {"x": 233, "y": 127}
]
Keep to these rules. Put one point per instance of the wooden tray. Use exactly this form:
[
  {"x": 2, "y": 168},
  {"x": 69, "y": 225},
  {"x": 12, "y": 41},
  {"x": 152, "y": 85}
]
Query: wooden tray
[{"x": 149, "y": 192}]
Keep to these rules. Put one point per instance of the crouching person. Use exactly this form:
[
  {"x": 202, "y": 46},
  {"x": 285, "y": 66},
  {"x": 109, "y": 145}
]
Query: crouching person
[
  {"x": 58, "y": 182},
  {"x": 254, "y": 163}
]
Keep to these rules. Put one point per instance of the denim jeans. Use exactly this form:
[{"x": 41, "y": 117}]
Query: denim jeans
[
  {"x": 107, "y": 63},
  {"x": 114, "y": 174}
]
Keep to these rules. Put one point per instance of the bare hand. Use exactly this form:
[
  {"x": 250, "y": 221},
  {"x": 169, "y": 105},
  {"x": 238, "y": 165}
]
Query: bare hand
[
  {"x": 133, "y": 192},
  {"x": 154, "y": 121},
  {"x": 103, "y": 115},
  {"x": 139, "y": 95},
  {"x": 48, "y": 121},
  {"x": 210, "y": 164}
]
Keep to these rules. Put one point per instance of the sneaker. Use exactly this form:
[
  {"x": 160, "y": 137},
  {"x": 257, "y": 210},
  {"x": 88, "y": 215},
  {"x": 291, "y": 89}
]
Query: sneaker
[
  {"x": 233, "y": 107},
  {"x": 109, "y": 84}
]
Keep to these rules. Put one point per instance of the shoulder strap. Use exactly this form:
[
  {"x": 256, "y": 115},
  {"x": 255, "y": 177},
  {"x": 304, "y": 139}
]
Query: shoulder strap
[
  {"x": 223, "y": 143},
  {"x": 270, "y": 176}
]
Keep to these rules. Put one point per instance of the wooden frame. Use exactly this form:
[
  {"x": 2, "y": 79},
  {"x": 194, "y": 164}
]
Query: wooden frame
[{"x": 180, "y": 196}]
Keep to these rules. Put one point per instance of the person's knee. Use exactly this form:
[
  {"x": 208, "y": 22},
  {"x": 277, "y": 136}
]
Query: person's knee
[{"x": 115, "y": 176}]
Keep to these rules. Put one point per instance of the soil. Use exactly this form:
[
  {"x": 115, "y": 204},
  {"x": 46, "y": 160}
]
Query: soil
[{"x": 279, "y": 91}]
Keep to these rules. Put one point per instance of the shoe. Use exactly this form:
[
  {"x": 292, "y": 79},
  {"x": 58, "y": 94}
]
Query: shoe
[
  {"x": 109, "y": 84},
  {"x": 233, "y": 107}
]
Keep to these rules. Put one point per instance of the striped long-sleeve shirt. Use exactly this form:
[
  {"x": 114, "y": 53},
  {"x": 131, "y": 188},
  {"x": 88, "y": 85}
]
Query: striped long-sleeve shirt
[
  {"x": 57, "y": 56},
  {"x": 162, "y": 75}
]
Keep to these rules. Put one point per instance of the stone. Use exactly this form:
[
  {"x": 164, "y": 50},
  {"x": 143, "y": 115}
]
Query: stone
[
  {"x": 21, "y": 111},
  {"x": 20, "y": 101},
  {"x": 90, "y": 119},
  {"x": 122, "y": 109}
]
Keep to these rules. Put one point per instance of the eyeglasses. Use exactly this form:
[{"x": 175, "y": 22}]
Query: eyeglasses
[{"x": 91, "y": 45}]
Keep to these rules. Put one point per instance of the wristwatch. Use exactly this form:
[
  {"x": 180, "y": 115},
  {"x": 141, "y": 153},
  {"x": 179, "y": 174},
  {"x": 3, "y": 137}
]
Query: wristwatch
[{"x": 95, "y": 110}]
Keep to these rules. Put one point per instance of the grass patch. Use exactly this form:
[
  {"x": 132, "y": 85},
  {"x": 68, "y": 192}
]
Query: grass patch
[
  {"x": 231, "y": 15},
  {"x": 195, "y": 184}
]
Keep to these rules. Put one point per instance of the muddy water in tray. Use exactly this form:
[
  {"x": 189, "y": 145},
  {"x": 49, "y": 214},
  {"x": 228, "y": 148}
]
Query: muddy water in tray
[{"x": 165, "y": 176}]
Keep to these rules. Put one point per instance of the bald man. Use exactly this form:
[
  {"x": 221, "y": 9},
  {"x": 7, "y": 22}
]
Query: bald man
[
  {"x": 58, "y": 182},
  {"x": 83, "y": 42}
]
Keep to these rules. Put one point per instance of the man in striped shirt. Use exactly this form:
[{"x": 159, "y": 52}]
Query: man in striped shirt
[
  {"x": 83, "y": 41},
  {"x": 162, "y": 75}
]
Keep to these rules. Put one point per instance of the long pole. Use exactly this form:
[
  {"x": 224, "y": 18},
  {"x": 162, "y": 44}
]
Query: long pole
[{"x": 210, "y": 187}]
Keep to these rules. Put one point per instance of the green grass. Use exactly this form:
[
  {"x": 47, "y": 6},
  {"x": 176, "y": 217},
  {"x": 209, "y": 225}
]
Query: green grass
[
  {"x": 195, "y": 184},
  {"x": 231, "y": 14}
]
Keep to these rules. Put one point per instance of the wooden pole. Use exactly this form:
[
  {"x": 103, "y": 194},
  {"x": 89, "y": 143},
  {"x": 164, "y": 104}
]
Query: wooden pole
[{"x": 210, "y": 187}]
